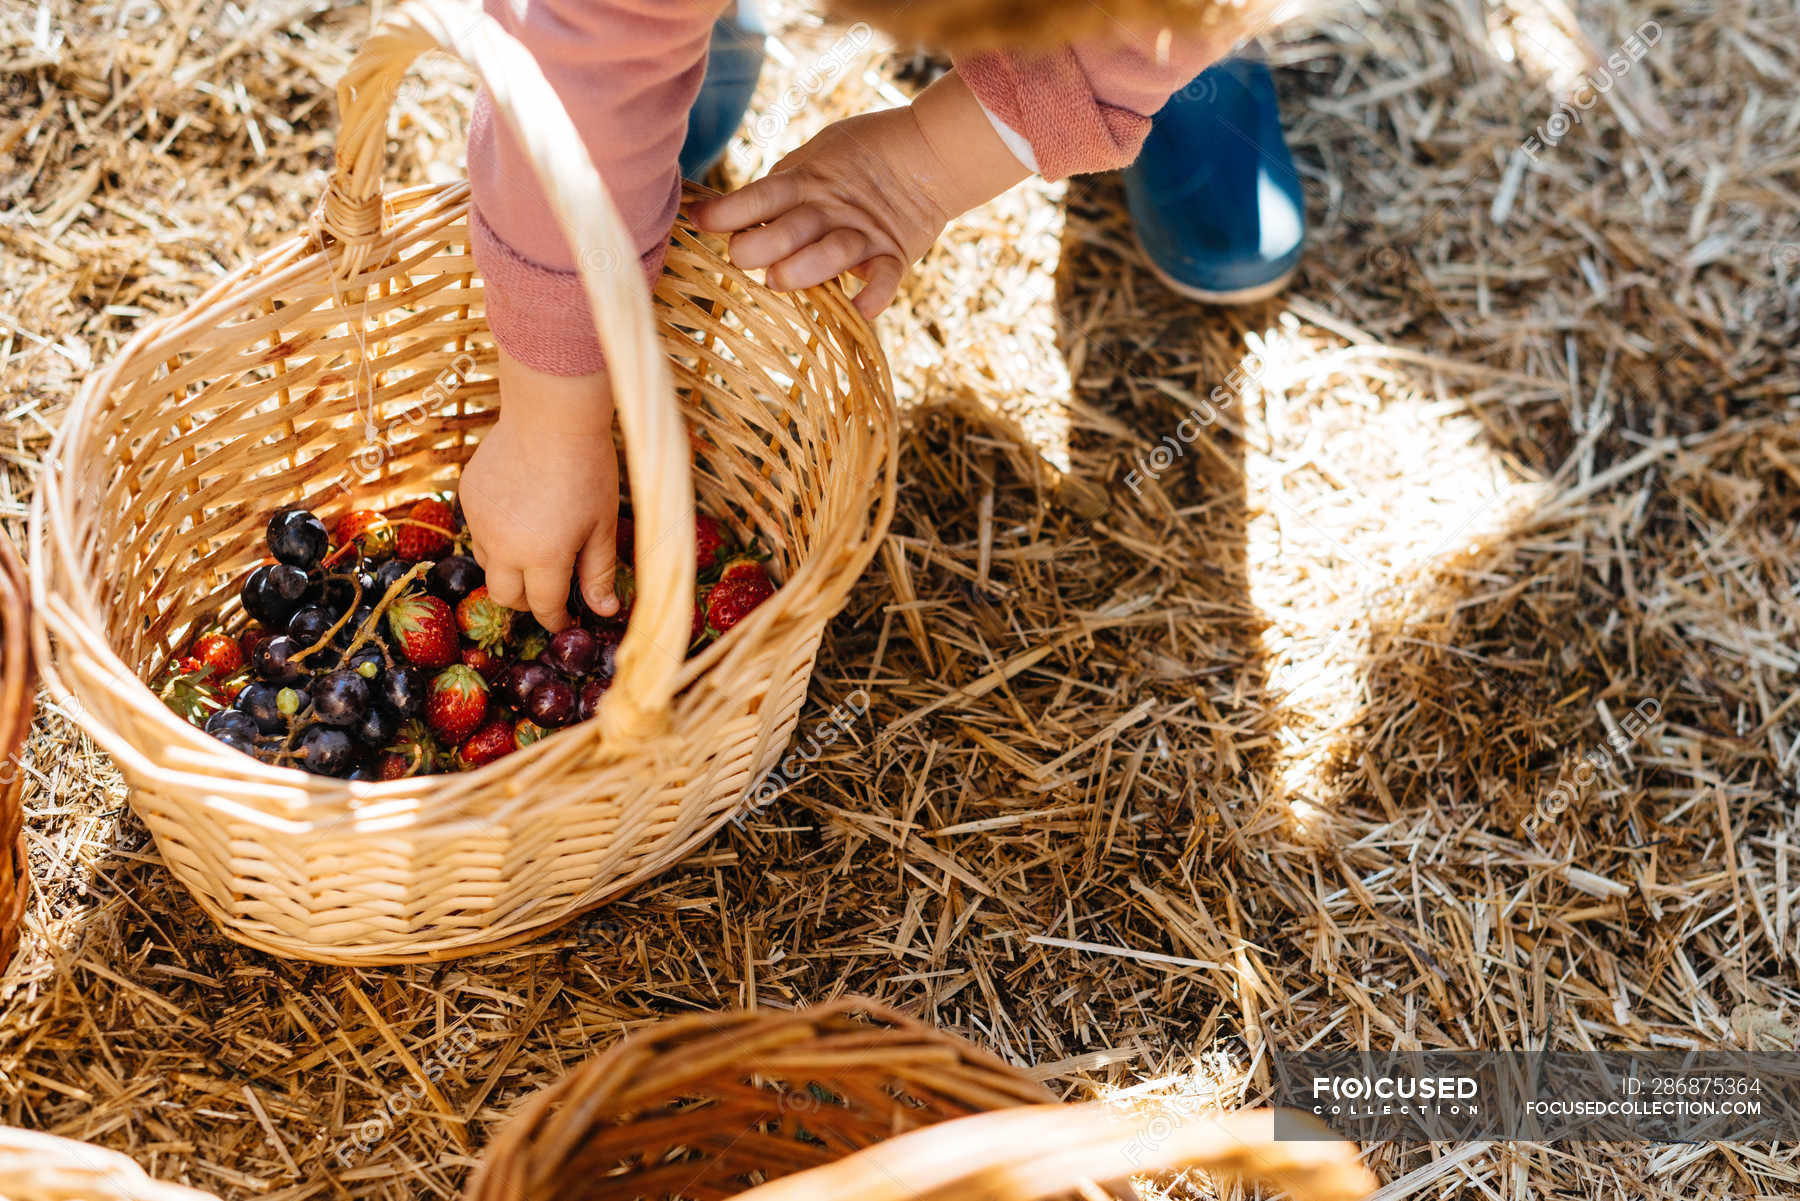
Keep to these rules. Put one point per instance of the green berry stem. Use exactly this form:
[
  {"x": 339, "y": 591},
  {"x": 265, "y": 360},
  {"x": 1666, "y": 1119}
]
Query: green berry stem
[{"x": 297, "y": 725}]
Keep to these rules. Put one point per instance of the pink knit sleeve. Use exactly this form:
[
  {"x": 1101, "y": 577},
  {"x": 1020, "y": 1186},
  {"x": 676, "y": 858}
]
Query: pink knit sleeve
[
  {"x": 627, "y": 71},
  {"x": 1088, "y": 107}
]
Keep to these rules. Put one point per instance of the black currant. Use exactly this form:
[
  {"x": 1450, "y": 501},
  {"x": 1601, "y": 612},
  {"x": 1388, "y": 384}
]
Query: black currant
[
  {"x": 325, "y": 751},
  {"x": 340, "y": 698},
  {"x": 297, "y": 537},
  {"x": 309, "y": 625},
  {"x": 273, "y": 659},
  {"x": 258, "y": 701},
  {"x": 404, "y": 689},
  {"x": 454, "y": 577},
  {"x": 378, "y": 726}
]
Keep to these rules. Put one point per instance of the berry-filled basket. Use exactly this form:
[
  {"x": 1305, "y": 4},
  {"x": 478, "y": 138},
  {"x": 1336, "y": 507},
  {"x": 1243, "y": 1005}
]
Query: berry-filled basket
[
  {"x": 851, "y": 1101},
  {"x": 351, "y": 368},
  {"x": 17, "y": 692}
]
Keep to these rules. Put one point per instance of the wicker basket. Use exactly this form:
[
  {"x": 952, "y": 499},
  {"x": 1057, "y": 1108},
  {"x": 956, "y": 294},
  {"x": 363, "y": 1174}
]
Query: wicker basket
[
  {"x": 17, "y": 691},
  {"x": 776, "y": 409},
  {"x": 42, "y": 1167},
  {"x": 833, "y": 1104}
]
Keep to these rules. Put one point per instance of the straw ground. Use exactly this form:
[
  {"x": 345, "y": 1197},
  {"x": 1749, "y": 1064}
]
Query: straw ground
[{"x": 1283, "y": 739}]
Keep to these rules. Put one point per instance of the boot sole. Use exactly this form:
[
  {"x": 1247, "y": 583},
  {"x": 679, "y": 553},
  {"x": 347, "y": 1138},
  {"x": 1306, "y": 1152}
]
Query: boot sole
[{"x": 1237, "y": 296}]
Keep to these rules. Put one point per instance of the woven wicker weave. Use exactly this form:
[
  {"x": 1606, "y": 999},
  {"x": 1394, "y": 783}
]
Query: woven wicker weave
[
  {"x": 42, "y": 1167},
  {"x": 17, "y": 691},
  {"x": 264, "y": 393},
  {"x": 853, "y": 1102}
]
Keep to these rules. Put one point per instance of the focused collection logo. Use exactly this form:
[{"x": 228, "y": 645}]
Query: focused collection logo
[{"x": 1395, "y": 1096}]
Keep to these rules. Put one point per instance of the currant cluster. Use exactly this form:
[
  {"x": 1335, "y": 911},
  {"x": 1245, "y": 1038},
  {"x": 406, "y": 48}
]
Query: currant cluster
[{"x": 374, "y": 651}]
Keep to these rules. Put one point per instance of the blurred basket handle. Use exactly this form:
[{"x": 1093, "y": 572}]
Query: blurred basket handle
[
  {"x": 1039, "y": 1151},
  {"x": 656, "y": 440}
]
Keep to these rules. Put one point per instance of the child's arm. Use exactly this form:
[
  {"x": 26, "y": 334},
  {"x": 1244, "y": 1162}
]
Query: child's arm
[
  {"x": 540, "y": 493},
  {"x": 870, "y": 194}
]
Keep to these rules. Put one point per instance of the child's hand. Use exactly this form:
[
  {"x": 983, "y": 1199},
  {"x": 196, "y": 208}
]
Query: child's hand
[
  {"x": 868, "y": 195},
  {"x": 541, "y": 493}
]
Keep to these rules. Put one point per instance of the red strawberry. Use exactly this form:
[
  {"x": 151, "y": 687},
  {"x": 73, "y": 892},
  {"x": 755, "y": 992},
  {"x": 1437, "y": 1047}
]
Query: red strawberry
[
  {"x": 485, "y": 620},
  {"x": 186, "y": 691},
  {"x": 487, "y": 744},
  {"x": 742, "y": 586},
  {"x": 368, "y": 530},
  {"x": 424, "y": 629},
  {"x": 526, "y": 732},
  {"x": 219, "y": 653},
  {"x": 711, "y": 542},
  {"x": 486, "y": 662},
  {"x": 427, "y": 530},
  {"x": 456, "y": 703},
  {"x": 625, "y": 544},
  {"x": 414, "y": 753},
  {"x": 249, "y": 640}
]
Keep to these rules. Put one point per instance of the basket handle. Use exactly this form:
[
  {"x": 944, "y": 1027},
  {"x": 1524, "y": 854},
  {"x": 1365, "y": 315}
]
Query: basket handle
[
  {"x": 1036, "y": 1151},
  {"x": 656, "y": 440}
]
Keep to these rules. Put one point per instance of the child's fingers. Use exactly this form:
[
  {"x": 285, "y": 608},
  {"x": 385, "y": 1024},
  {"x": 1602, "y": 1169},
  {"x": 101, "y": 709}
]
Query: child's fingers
[
  {"x": 881, "y": 278},
  {"x": 752, "y": 204},
  {"x": 547, "y": 592},
  {"x": 778, "y": 239},
  {"x": 594, "y": 569},
  {"x": 827, "y": 258},
  {"x": 506, "y": 586}
]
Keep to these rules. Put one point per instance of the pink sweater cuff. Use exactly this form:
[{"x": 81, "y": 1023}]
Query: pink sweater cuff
[
  {"x": 540, "y": 315},
  {"x": 1050, "y": 102}
]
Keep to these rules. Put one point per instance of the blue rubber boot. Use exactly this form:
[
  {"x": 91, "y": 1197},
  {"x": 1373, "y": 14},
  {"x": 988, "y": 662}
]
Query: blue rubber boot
[
  {"x": 1214, "y": 196},
  {"x": 733, "y": 64}
]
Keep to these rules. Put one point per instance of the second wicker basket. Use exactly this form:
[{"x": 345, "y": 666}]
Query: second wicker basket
[
  {"x": 17, "y": 692},
  {"x": 851, "y": 1101}
]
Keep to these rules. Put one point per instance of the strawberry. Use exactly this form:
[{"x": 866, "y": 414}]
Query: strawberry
[
  {"x": 186, "y": 691},
  {"x": 486, "y": 621},
  {"x": 526, "y": 732},
  {"x": 456, "y": 703},
  {"x": 625, "y": 543},
  {"x": 218, "y": 652},
  {"x": 249, "y": 640},
  {"x": 743, "y": 585},
  {"x": 427, "y": 530},
  {"x": 484, "y": 661},
  {"x": 371, "y": 533},
  {"x": 490, "y": 742},
  {"x": 532, "y": 640},
  {"x": 711, "y": 542},
  {"x": 414, "y": 753},
  {"x": 424, "y": 630}
]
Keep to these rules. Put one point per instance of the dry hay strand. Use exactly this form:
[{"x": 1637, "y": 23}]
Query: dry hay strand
[{"x": 1125, "y": 786}]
